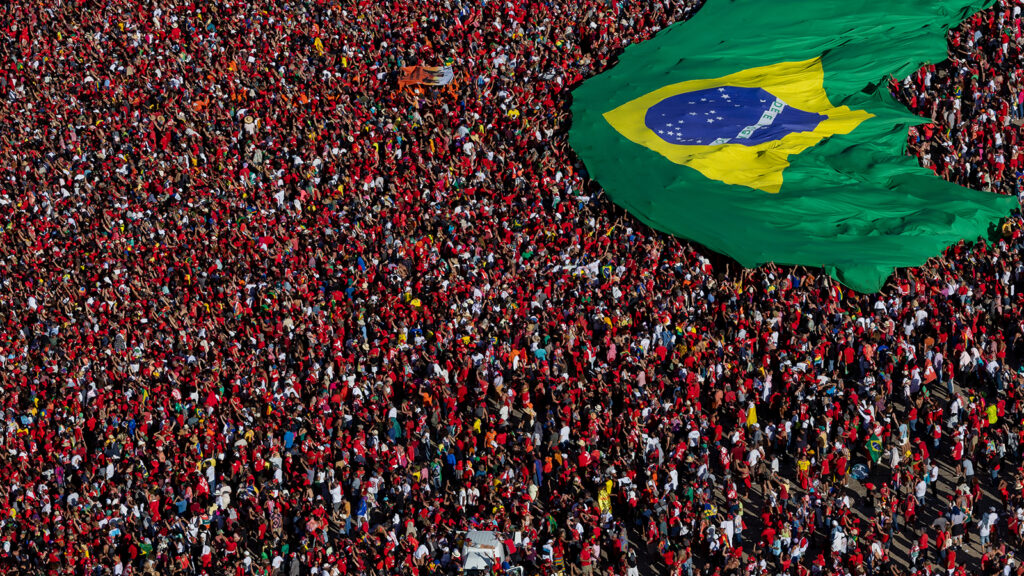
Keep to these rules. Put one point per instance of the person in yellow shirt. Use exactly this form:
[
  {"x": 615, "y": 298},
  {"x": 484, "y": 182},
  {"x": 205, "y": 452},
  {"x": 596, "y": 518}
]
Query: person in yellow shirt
[{"x": 803, "y": 469}]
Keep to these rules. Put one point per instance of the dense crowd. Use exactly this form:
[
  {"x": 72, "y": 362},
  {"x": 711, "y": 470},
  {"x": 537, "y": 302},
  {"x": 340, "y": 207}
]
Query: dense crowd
[{"x": 265, "y": 313}]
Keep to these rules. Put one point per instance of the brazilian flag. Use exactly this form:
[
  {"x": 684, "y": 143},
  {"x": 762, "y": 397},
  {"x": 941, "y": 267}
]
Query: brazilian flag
[
  {"x": 765, "y": 130},
  {"x": 875, "y": 448}
]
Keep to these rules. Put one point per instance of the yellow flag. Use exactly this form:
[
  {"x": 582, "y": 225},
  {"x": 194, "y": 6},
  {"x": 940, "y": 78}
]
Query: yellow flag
[{"x": 604, "y": 500}]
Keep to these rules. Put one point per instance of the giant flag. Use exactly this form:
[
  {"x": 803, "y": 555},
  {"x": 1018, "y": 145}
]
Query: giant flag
[{"x": 764, "y": 129}]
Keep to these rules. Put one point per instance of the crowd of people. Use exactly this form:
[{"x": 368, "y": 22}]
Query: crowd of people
[{"x": 266, "y": 313}]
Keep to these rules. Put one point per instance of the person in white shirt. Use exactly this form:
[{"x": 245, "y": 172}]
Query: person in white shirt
[
  {"x": 984, "y": 532},
  {"x": 673, "y": 480},
  {"x": 420, "y": 552},
  {"x": 727, "y": 529},
  {"x": 919, "y": 491},
  {"x": 933, "y": 479}
]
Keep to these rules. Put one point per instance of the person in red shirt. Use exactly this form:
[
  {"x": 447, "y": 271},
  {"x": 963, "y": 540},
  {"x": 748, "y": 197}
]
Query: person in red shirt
[
  {"x": 586, "y": 563},
  {"x": 940, "y": 545},
  {"x": 840, "y": 467}
]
